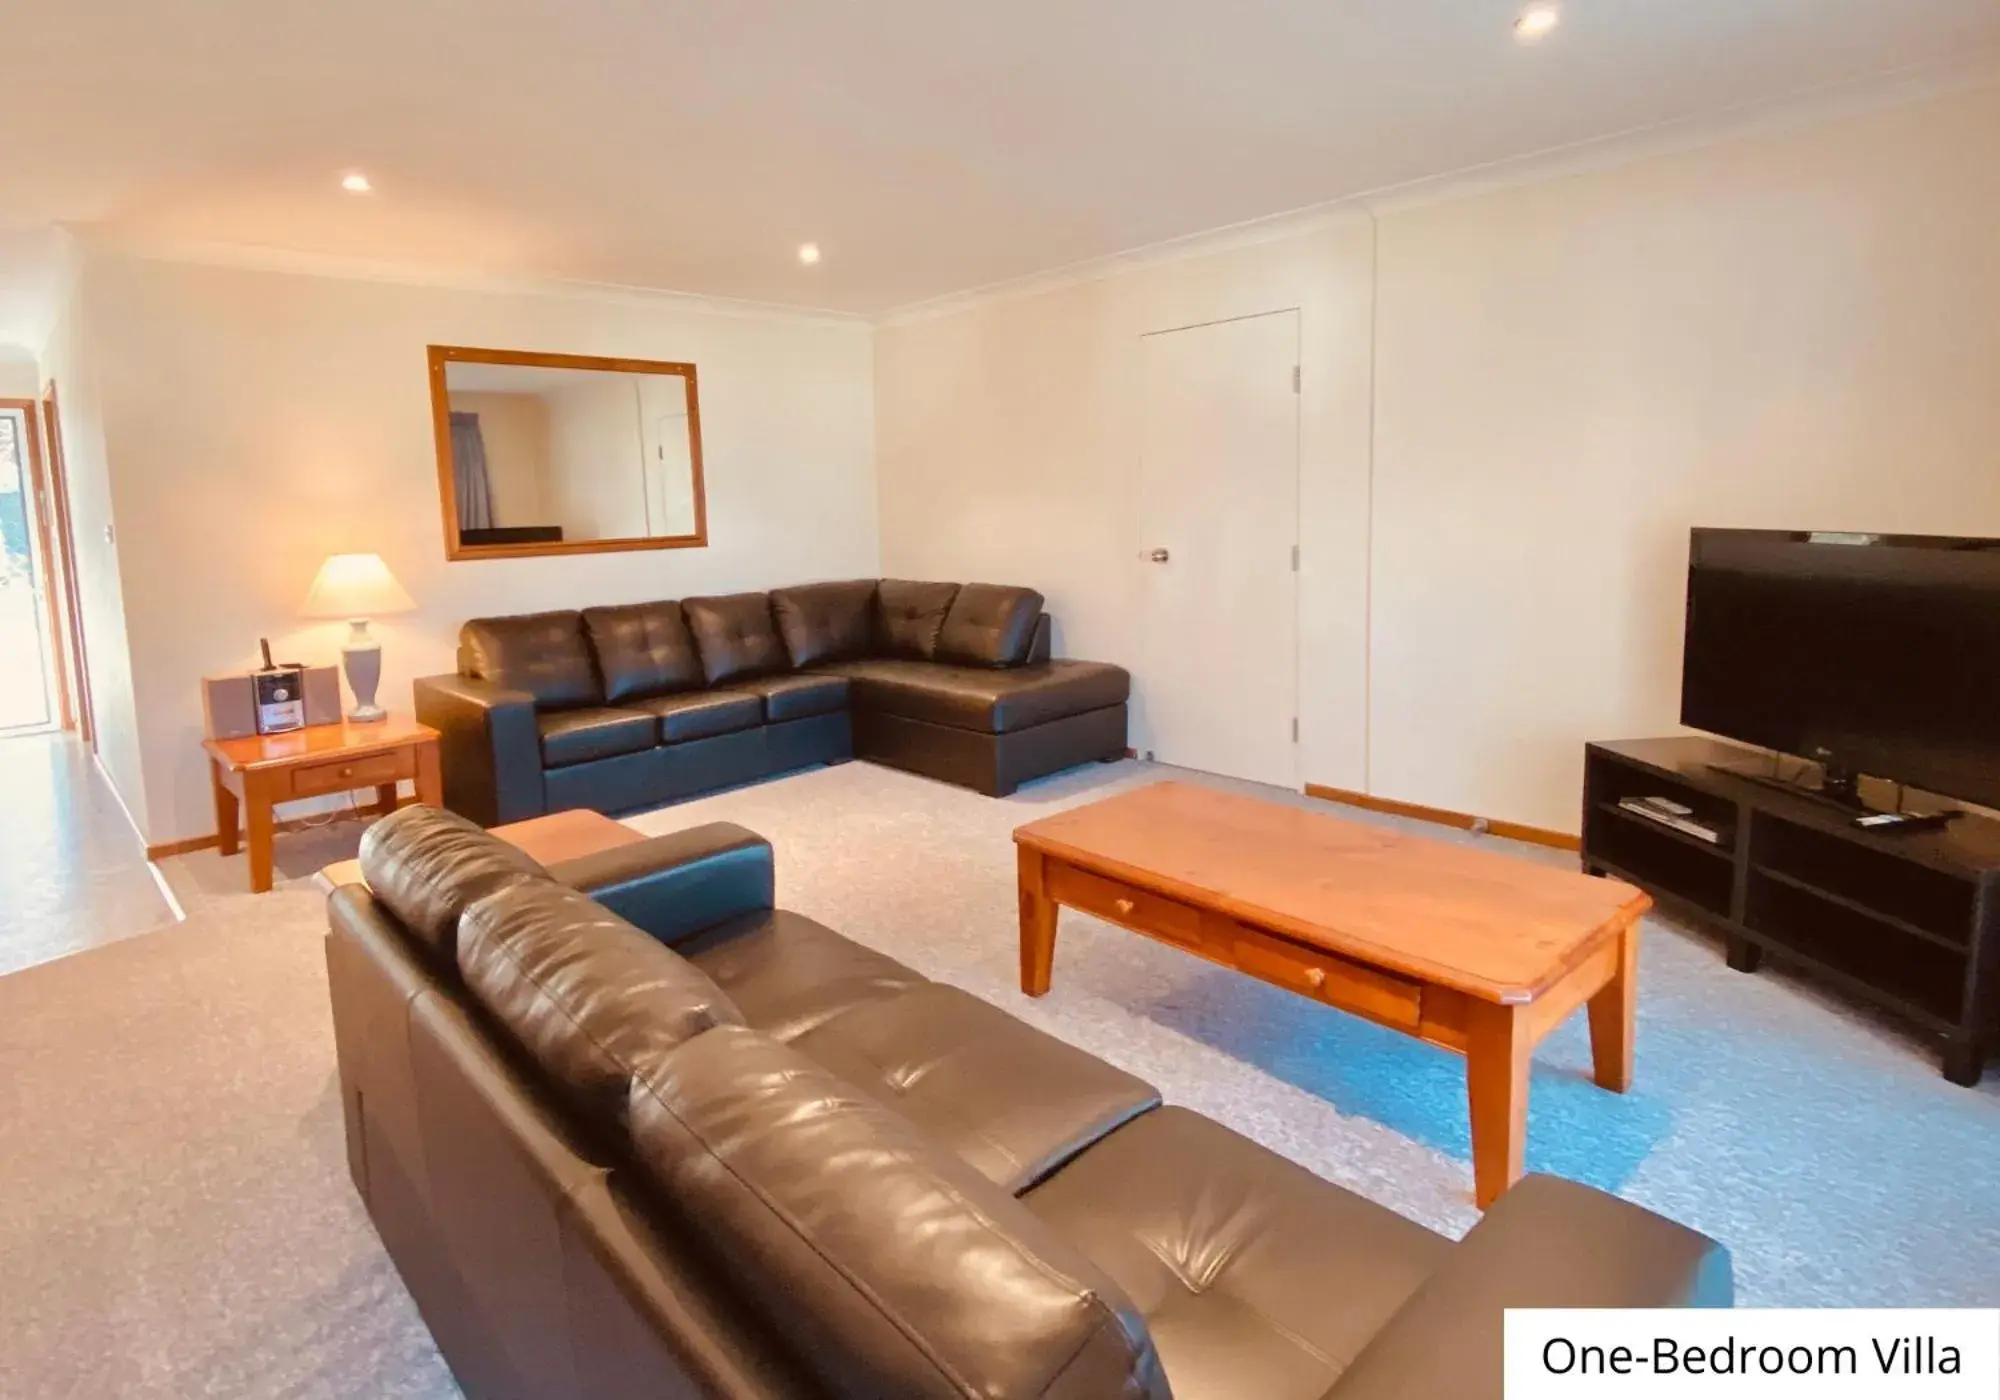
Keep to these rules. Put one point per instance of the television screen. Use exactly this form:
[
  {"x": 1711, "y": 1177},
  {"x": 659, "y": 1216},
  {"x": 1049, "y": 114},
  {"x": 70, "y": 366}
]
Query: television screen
[{"x": 1878, "y": 654}]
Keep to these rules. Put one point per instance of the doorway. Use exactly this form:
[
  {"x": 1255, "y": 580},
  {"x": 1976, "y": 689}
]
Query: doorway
[
  {"x": 28, "y": 689},
  {"x": 1219, "y": 532}
]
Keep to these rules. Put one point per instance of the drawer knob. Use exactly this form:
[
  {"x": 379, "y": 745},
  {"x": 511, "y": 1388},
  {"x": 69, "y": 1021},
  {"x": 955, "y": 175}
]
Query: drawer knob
[
  {"x": 1123, "y": 906},
  {"x": 347, "y": 772},
  {"x": 1315, "y": 977}
]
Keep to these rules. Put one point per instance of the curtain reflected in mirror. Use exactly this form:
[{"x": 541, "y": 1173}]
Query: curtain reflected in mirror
[{"x": 545, "y": 454}]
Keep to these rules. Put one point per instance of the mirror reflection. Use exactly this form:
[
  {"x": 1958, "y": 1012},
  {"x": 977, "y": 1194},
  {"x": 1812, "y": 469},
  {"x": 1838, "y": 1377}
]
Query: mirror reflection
[{"x": 544, "y": 454}]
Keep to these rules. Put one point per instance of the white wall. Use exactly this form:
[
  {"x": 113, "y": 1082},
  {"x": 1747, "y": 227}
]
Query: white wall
[
  {"x": 1796, "y": 328},
  {"x": 1008, "y": 452},
  {"x": 20, "y": 378},
  {"x": 71, "y": 360},
  {"x": 258, "y": 421}
]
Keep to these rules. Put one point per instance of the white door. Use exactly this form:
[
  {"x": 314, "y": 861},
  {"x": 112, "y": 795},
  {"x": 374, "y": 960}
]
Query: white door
[{"x": 1219, "y": 519}]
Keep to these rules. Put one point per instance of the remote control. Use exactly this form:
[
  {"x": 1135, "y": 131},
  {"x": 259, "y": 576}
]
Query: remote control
[{"x": 1905, "y": 821}]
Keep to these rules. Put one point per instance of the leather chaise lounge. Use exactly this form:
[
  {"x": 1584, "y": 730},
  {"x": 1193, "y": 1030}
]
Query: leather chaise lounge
[
  {"x": 632, "y": 706},
  {"x": 630, "y": 1132}
]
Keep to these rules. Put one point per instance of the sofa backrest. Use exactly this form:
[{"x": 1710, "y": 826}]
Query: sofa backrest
[
  {"x": 427, "y": 866},
  {"x": 890, "y": 1265},
  {"x": 909, "y": 616},
  {"x": 612, "y": 655},
  {"x": 544, "y": 654},
  {"x": 642, "y": 649},
  {"x": 989, "y": 625},
  {"x": 821, "y": 623},
  {"x": 736, "y": 636},
  {"x": 585, "y": 994}
]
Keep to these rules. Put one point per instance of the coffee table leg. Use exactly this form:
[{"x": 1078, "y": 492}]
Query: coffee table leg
[
  {"x": 1613, "y": 1013},
  {"x": 1497, "y": 1056},
  {"x": 1038, "y": 923}
]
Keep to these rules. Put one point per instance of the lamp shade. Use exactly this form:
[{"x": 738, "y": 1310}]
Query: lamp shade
[{"x": 355, "y": 585}]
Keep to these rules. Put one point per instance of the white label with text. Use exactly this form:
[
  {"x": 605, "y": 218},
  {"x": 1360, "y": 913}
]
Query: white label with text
[{"x": 1836, "y": 1353}]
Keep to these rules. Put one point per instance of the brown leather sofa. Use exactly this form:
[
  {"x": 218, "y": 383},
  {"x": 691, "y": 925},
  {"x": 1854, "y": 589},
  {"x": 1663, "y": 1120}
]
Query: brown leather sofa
[
  {"x": 624, "y": 707},
  {"x": 629, "y": 1132}
]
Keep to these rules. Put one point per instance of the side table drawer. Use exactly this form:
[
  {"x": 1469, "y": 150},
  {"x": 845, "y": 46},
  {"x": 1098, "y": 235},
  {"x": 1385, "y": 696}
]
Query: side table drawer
[
  {"x": 1125, "y": 904},
  {"x": 341, "y": 774}
]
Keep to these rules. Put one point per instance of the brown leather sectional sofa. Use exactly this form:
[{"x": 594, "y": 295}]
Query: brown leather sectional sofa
[
  {"x": 629, "y": 1132},
  {"x": 624, "y": 707}
]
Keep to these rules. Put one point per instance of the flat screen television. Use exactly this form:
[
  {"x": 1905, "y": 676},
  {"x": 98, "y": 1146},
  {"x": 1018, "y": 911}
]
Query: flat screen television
[{"x": 1875, "y": 654}]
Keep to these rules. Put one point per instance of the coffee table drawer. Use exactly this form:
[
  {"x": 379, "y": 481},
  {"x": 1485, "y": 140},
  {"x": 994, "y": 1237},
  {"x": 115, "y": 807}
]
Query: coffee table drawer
[
  {"x": 1125, "y": 904},
  {"x": 338, "y": 775},
  {"x": 1351, "y": 986}
]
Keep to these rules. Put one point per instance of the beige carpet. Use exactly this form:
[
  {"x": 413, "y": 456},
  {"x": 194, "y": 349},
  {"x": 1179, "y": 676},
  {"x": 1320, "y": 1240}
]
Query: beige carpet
[
  {"x": 176, "y": 1220},
  {"x": 175, "y": 1215}
]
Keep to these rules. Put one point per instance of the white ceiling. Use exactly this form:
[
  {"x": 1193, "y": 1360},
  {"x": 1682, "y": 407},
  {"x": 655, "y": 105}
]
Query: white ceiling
[{"x": 929, "y": 146}]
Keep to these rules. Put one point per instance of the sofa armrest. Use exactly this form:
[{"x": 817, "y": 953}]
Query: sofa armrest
[
  {"x": 1547, "y": 1243},
  {"x": 676, "y": 885},
  {"x": 489, "y": 747}
]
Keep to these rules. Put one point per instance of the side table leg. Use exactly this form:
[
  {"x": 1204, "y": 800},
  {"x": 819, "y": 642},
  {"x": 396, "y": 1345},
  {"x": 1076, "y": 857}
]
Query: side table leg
[
  {"x": 385, "y": 799},
  {"x": 430, "y": 783},
  {"x": 226, "y": 815},
  {"x": 1613, "y": 1015},
  {"x": 1497, "y": 1056},
  {"x": 1038, "y": 923},
  {"x": 259, "y": 820}
]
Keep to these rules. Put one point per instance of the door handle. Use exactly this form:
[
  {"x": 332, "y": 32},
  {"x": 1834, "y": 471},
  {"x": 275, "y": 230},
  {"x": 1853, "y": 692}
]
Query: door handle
[{"x": 1157, "y": 556}]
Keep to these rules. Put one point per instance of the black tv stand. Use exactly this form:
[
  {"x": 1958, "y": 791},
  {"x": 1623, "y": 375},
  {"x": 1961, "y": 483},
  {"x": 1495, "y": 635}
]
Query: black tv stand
[
  {"x": 1908, "y": 920},
  {"x": 1844, "y": 795}
]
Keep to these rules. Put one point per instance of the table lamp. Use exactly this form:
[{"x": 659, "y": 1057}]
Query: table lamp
[{"x": 358, "y": 587}]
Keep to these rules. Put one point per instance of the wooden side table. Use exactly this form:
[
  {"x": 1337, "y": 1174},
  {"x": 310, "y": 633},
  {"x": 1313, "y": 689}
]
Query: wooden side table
[{"x": 256, "y": 773}]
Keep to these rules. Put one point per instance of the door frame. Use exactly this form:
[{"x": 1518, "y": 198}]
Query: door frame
[
  {"x": 55, "y": 509},
  {"x": 38, "y": 513}
]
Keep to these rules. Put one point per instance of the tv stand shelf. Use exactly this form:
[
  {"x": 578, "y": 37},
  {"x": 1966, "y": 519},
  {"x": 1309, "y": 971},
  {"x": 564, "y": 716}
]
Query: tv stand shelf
[{"x": 1909, "y": 921}]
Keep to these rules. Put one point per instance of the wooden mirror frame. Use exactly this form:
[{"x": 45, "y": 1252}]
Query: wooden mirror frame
[{"x": 455, "y": 549}]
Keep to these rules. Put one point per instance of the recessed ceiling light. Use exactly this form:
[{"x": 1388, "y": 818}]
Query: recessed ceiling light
[
  {"x": 808, "y": 253},
  {"x": 356, "y": 183},
  {"x": 1535, "y": 22}
]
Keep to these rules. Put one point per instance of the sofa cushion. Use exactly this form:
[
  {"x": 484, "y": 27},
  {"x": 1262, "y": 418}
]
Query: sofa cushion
[
  {"x": 544, "y": 654},
  {"x": 798, "y": 697},
  {"x": 789, "y": 974},
  {"x": 427, "y": 866},
  {"x": 735, "y": 636},
  {"x": 908, "y": 617},
  {"x": 1255, "y": 1276},
  {"x": 577, "y": 736},
  {"x": 989, "y": 625},
  {"x": 887, "y": 1265},
  {"x": 1010, "y": 1100},
  {"x": 984, "y": 699},
  {"x": 703, "y": 714},
  {"x": 642, "y": 649},
  {"x": 584, "y": 993},
  {"x": 822, "y": 622}
]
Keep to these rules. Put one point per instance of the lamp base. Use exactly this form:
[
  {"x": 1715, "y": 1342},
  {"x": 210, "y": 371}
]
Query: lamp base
[{"x": 361, "y": 658}]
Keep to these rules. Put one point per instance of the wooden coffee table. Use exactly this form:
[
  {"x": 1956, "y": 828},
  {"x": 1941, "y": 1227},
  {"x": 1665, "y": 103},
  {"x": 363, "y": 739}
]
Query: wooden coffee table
[{"x": 1470, "y": 950}]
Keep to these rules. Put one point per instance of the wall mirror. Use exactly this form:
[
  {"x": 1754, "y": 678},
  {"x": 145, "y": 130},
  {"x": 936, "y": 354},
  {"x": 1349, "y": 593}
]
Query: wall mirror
[{"x": 565, "y": 454}]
